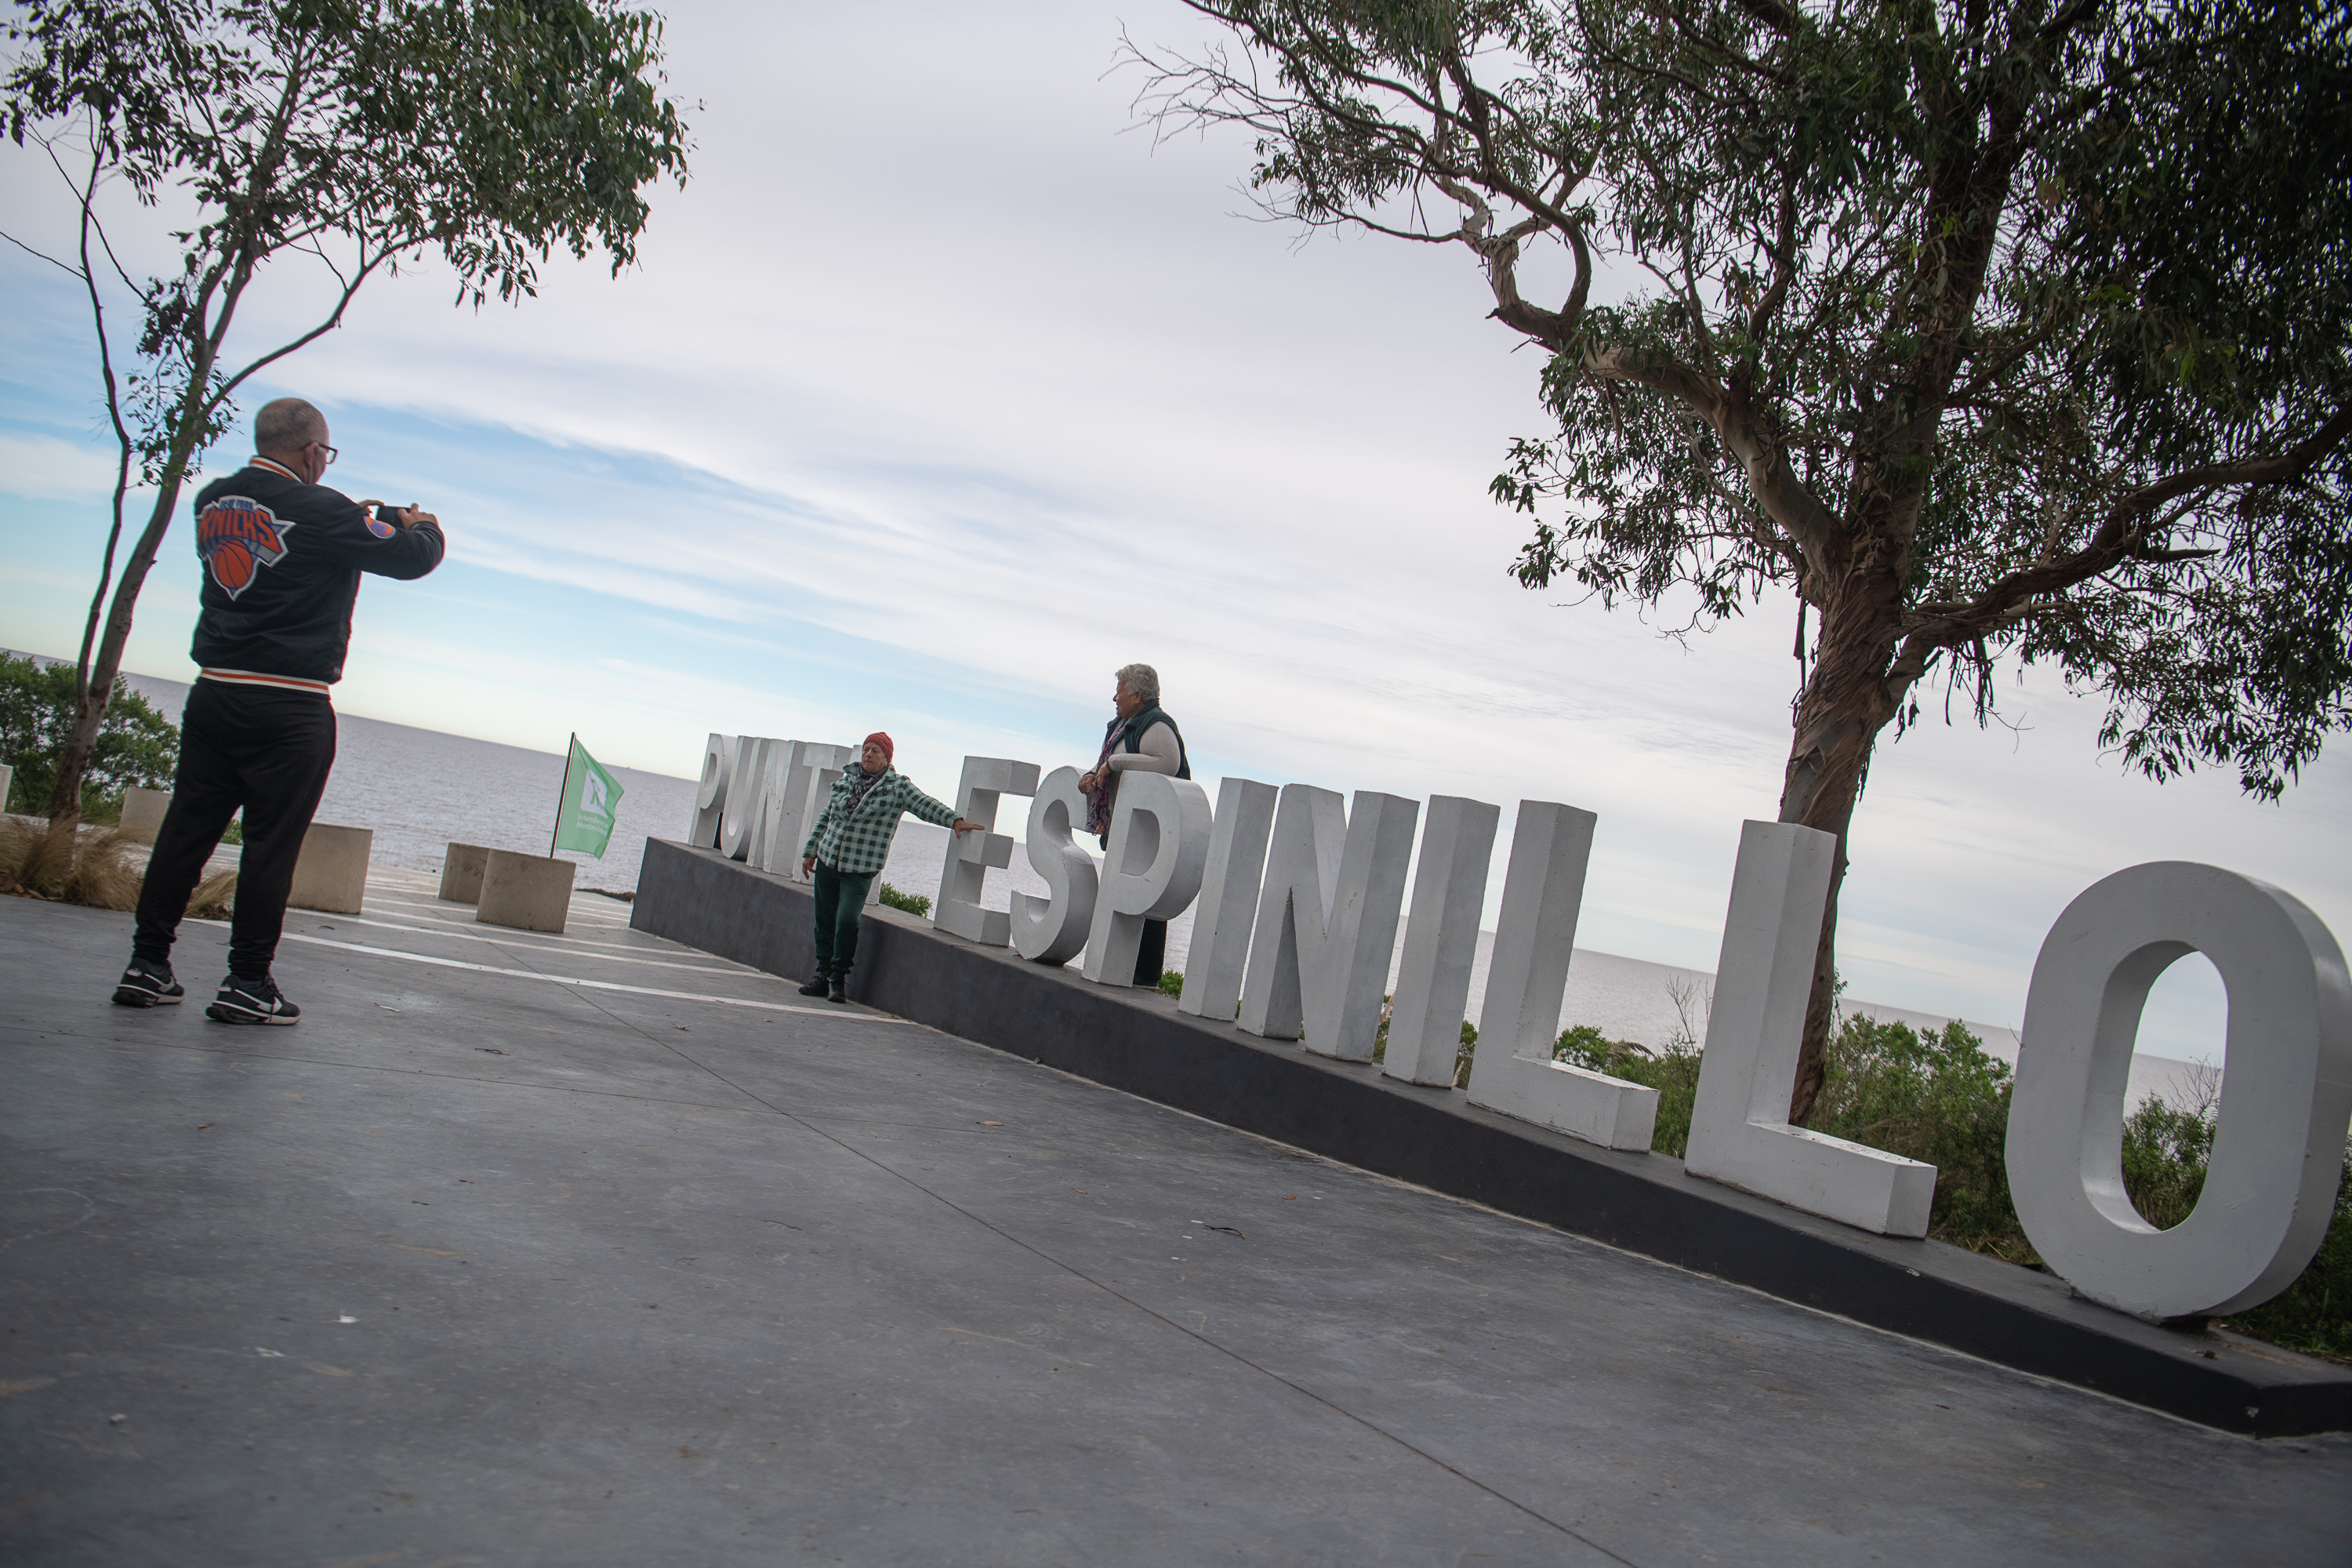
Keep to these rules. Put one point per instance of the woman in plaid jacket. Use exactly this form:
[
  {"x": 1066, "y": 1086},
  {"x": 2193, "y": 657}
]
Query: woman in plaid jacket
[{"x": 846, "y": 851}]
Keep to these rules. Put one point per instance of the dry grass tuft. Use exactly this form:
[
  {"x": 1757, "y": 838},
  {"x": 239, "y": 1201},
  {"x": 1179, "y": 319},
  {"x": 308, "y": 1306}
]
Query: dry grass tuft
[
  {"x": 95, "y": 867},
  {"x": 214, "y": 898}
]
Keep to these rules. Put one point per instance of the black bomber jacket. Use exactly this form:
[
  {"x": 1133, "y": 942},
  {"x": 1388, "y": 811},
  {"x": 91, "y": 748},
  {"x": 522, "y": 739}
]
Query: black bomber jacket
[{"x": 282, "y": 562}]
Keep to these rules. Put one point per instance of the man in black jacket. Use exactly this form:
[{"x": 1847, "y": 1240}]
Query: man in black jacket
[{"x": 282, "y": 557}]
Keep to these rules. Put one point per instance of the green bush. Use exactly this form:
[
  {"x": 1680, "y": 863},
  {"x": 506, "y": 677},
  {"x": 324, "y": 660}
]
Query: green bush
[
  {"x": 1171, "y": 983},
  {"x": 137, "y": 747},
  {"x": 1937, "y": 1098},
  {"x": 913, "y": 903}
]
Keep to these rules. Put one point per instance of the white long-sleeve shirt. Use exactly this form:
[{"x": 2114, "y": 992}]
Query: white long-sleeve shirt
[{"x": 1156, "y": 752}]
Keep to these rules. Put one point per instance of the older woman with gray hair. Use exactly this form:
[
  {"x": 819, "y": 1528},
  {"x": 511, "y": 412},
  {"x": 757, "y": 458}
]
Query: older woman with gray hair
[{"x": 1141, "y": 738}]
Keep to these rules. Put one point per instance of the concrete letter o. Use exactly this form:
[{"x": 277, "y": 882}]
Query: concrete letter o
[{"x": 2278, "y": 1150}]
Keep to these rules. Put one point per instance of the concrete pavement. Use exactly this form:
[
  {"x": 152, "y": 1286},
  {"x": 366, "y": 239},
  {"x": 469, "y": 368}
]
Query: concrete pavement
[{"x": 676, "y": 1265}]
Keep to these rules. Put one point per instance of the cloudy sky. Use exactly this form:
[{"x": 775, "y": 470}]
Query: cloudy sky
[{"x": 941, "y": 391}]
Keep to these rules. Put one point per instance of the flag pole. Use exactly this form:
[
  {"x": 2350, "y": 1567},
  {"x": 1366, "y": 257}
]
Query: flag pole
[{"x": 570, "y": 747}]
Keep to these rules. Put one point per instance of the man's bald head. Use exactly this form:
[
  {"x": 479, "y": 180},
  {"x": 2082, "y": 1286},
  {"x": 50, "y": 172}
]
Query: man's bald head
[{"x": 287, "y": 425}]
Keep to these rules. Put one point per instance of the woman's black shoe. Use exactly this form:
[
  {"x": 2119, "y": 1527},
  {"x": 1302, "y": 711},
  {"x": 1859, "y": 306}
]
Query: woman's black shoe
[
  {"x": 840, "y": 992},
  {"x": 814, "y": 988}
]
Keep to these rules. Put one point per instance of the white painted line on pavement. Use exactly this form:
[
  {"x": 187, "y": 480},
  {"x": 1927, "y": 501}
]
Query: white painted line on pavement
[
  {"x": 589, "y": 984},
  {"x": 746, "y": 971}
]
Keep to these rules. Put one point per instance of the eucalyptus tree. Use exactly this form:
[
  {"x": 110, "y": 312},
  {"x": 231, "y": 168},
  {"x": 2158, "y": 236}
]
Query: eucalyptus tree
[
  {"x": 1999, "y": 331},
  {"x": 343, "y": 136}
]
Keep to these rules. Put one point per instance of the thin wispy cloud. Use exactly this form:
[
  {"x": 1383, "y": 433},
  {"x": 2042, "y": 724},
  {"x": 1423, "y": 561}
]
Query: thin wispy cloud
[{"x": 930, "y": 414}]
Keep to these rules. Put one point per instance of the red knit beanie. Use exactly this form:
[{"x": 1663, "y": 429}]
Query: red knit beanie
[{"x": 889, "y": 752}]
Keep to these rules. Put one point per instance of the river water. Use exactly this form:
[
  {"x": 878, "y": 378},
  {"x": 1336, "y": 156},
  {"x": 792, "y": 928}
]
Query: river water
[{"x": 420, "y": 790}]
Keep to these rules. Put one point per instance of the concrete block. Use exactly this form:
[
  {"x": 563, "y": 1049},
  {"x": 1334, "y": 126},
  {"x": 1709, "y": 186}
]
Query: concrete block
[
  {"x": 1740, "y": 1133},
  {"x": 526, "y": 892},
  {"x": 7, "y": 780},
  {"x": 1441, "y": 939},
  {"x": 1327, "y": 920},
  {"x": 986, "y": 780},
  {"x": 1526, "y": 976},
  {"x": 711, "y": 794},
  {"x": 1228, "y": 908},
  {"x": 1053, "y": 928},
  {"x": 1159, "y": 848},
  {"x": 2270, "y": 1186},
  {"x": 461, "y": 872},
  {"x": 330, "y": 873},
  {"x": 142, "y": 813}
]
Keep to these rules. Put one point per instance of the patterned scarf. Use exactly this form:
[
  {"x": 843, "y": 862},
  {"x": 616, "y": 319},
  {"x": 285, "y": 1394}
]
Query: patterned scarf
[
  {"x": 864, "y": 786},
  {"x": 1098, "y": 797}
]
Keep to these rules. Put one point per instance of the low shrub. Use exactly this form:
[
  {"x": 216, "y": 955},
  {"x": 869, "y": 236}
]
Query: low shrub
[
  {"x": 1171, "y": 983},
  {"x": 1937, "y": 1098},
  {"x": 913, "y": 903},
  {"x": 214, "y": 898}
]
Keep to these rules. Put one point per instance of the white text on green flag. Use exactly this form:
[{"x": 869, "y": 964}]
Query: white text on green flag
[{"x": 590, "y": 799}]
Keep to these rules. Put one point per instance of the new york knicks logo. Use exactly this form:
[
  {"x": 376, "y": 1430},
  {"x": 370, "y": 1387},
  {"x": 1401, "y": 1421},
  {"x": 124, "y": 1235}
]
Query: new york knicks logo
[{"x": 235, "y": 538}]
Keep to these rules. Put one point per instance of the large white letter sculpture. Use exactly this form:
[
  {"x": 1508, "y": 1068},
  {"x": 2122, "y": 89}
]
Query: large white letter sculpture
[
  {"x": 1220, "y": 925},
  {"x": 2286, "y": 1098},
  {"x": 1535, "y": 937},
  {"x": 1053, "y": 928},
  {"x": 1159, "y": 848},
  {"x": 710, "y": 794},
  {"x": 804, "y": 777},
  {"x": 1739, "y": 1133},
  {"x": 1441, "y": 939},
  {"x": 747, "y": 789},
  {"x": 1327, "y": 920},
  {"x": 986, "y": 780}
]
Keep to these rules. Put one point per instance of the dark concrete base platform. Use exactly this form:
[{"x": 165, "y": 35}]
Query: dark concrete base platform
[
  {"x": 595, "y": 1249},
  {"x": 1135, "y": 1040}
]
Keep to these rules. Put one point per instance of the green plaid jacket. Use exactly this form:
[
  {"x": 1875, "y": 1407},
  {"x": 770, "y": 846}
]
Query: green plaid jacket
[{"x": 858, "y": 845}]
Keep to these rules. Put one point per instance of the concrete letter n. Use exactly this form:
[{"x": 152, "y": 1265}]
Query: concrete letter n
[
  {"x": 1543, "y": 894},
  {"x": 1327, "y": 920},
  {"x": 1740, "y": 1133},
  {"x": 1053, "y": 928},
  {"x": 746, "y": 787},
  {"x": 1221, "y": 927},
  {"x": 986, "y": 780}
]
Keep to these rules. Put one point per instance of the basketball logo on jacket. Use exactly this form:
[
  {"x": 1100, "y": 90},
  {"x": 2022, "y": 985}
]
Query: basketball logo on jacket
[{"x": 235, "y": 538}]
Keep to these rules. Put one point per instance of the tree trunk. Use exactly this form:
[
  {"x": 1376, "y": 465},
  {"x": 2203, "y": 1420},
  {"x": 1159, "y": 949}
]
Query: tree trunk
[
  {"x": 98, "y": 679},
  {"x": 1845, "y": 705}
]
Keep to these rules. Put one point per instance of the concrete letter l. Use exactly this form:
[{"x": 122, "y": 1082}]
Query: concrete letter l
[
  {"x": 1441, "y": 939},
  {"x": 1543, "y": 894},
  {"x": 1740, "y": 1133}
]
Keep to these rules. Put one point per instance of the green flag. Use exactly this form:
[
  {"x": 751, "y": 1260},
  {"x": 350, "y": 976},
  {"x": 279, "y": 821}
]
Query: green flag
[{"x": 590, "y": 799}]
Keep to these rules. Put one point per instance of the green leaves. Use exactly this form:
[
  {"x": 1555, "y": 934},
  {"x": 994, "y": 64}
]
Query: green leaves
[{"x": 136, "y": 746}]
